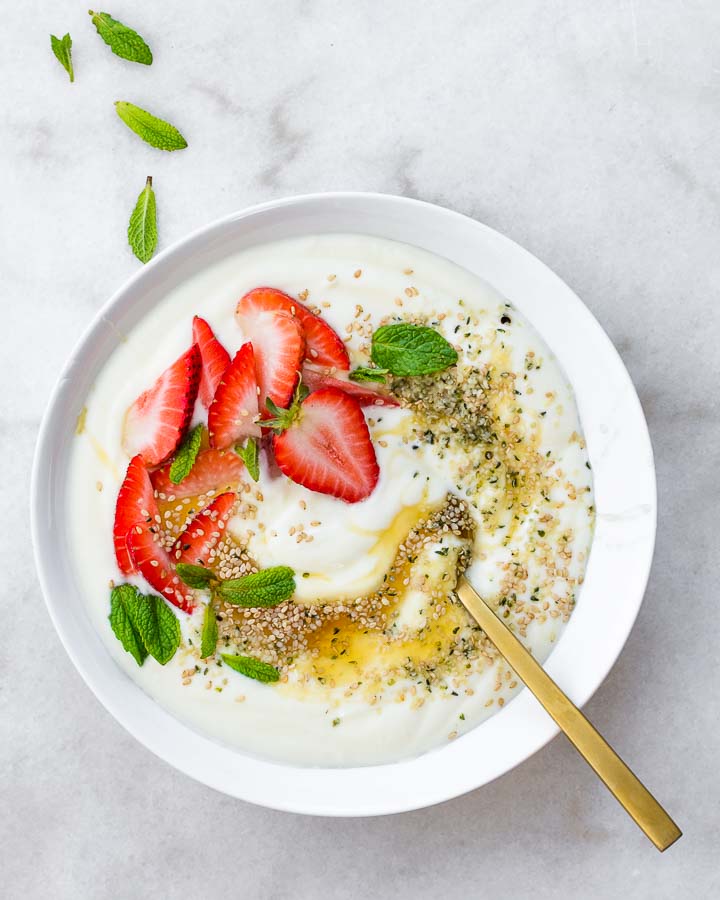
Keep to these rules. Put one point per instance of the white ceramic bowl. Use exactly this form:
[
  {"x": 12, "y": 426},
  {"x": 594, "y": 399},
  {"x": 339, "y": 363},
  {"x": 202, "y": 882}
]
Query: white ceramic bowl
[{"x": 617, "y": 572}]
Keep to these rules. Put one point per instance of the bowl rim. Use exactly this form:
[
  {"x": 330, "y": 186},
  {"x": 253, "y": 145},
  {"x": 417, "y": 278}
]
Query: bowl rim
[{"x": 301, "y": 784}]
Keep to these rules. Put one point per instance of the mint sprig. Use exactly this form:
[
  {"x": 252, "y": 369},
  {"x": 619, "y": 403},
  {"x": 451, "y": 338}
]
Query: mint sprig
[
  {"x": 122, "y": 40},
  {"x": 197, "y": 577},
  {"x": 62, "y": 48},
  {"x": 122, "y": 598},
  {"x": 209, "y": 636},
  {"x": 405, "y": 349},
  {"x": 250, "y": 455},
  {"x": 266, "y": 588},
  {"x": 365, "y": 374},
  {"x": 158, "y": 627},
  {"x": 144, "y": 624},
  {"x": 252, "y": 668},
  {"x": 156, "y": 132},
  {"x": 186, "y": 455},
  {"x": 142, "y": 228}
]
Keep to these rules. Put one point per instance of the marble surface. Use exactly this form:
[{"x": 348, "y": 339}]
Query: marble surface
[{"x": 588, "y": 133}]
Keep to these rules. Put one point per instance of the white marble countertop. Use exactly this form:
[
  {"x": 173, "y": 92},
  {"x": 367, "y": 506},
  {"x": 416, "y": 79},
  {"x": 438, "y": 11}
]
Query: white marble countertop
[{"x": 588, "y": 132}]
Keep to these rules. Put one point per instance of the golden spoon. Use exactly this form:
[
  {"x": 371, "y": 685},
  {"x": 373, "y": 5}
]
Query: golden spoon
[{"x": 608, "y": 766}]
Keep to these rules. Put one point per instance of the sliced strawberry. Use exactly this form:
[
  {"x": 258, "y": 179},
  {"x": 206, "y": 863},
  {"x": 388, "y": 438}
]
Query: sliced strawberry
[
  {"x": 215, "y": 359},
  {"x": 135, "y": 503},
  {"x": 326, "y": 447},
  {"x": 204, "y": 532},
  {"x": 323, "y": 345},
  {"x": 213, "y": 470},
  {"x": 366, "y": 394},
  {"x": 234, "y": 410},
  {"x": 279, "y": 345},
  {"x": 155, "y": 423},
  {"x": 155, "y": 565}
]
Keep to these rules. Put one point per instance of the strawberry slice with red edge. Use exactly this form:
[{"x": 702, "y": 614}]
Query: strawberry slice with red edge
[
  {"x": 213, "y": 470},
  {"x": 366, "y": 394},
  {"x": 323, "y": 443},
  {"x": 156, "y": 422},
  {"x": 203, "y": 534},
  {"x": 279, "y": 345},
  {"x": 155, "y": 565},
  {"x": 323, "y": 345},
  {"x": 234, "y": 410},
  {"x": 135, "y": 504},
  {"x": 215, "y": 359}
]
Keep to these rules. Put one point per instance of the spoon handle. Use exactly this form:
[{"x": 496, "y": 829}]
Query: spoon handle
[{"x": 624, "y": 785}]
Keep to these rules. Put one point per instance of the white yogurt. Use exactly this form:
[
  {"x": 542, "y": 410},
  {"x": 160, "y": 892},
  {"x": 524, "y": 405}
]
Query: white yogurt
[{"x": 347, "y": 555}]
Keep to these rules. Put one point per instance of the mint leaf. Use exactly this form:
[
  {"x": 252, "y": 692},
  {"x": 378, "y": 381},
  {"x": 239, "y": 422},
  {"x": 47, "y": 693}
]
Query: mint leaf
[
  {"x": 209, "y": 637},
  {"x": 197, "y": 577},
  {"x": 62, "y": 48},
  {"x": 123, "y": 41},
  {"x": 158, "y": 627},
  {"x": 152, "y": 130},
  {"x": 142, "y": 229},
  {"x": 266, "y": 588},
  {"x": 144, "y": 624},
  {"x": 364, "y": 374},
  {"x": 186, "y": 455},
  {"x": 406, "y": 349},
  {"x": 121, "y": 622},
  {"x": 252, "y": 668},
  {"x": 250, "y": 455}
]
